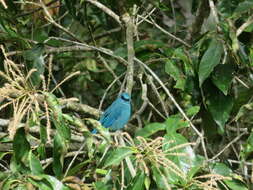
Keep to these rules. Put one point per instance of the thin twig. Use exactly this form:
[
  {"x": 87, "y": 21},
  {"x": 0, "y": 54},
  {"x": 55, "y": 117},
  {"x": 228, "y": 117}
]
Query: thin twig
[
  {"x": 106, "y": 10},
  {"x": 150, "y": 79},
  {"x": 240, "y": 81},
  {"x": 244, "y": 25},
  {"x": 51, "y": 20},
  {"x": 227, "y": 146},
  {"x": 72, "y": 161},
  {"x": 107, "y": 89},
  {"x": 164, "y": 31},
  {"x": 175, "y": 103}
]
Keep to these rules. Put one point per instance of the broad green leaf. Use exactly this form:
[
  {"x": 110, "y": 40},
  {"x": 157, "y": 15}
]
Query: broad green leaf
[
  {"x": 210, "y": 59},
  {"x": 138, "y": 182},
  {"x": 173, "y": 70},
  {"x": 21, "y": 146},
  {"x": 222, "y": 77},
  {"x": 59, "y": 150},
  {"x": 220, "y": 107},
  {"x": 117, "y": 155},
  {"x": 47, "y": 180},
  {"x": 184, "y": 163},
  {"x": 236, "y": 184},
  {"x": 159, "y": 178},
  {"x": 35, "y": 60},
  {"x": 174, "y": 123},
  {"x": 102, "y": 186},
  {"x": 150, "y": 129},
  {"x": 34, "y": 164},
  {"x": 222, "y": 169},
  {"x": 198, "y": 164},
  {"x": 58, "y": 118},
  {"x": 192, "y": 111},
  {"x": 77, "y": 168},
  {"x": 247, "y": 147},
  {"x": 243, "y": 7}
]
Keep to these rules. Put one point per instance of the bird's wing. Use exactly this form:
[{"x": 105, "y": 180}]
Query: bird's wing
[
  {"x": 111, "y": 114},
  {"x": 123, "y": 117}
]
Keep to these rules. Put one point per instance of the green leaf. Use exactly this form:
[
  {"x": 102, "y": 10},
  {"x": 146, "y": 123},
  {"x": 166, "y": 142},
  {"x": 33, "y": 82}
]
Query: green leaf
[
  {"x": 71, "y": 6},
  {"x": 236, "y": 184},
  {"x": 102, "y": 186},
  {"x": 34, "y": 164},
  {"x": 150, "y": 129},
  {"x": 210, "y": 59},
  {"x": 243, "y": 7},
  {"x": 220, "y": 107},
  {"x": 35, "y": 60},
  {"x": 77, "y": 168},
  {"x": 222, "y": 77},
  {"x": 137, "y": 182},
  {"x": 247, "y": 147},
  {"x": 222, "y": 169},
  {"x": 174, "y": 123},
  {"x": 21, "y": 146},
  {"x": 192, "y": 111},
  {"x": 158, "y": 178},
  {"x": 59, "y": 150},
  {"x": 116, "y": 156},
  {"x": 46, "y": 180},
  {"x": 173, "y": 70},
  {"x": 58, "y": 118}
]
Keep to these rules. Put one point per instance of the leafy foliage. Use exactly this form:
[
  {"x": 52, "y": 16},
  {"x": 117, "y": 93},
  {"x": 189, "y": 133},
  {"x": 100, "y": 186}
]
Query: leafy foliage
[{"x": 186, "y": 64}]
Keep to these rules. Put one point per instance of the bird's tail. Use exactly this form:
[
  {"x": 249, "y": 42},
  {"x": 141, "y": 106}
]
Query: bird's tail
[{"x": 94, "y": 131}]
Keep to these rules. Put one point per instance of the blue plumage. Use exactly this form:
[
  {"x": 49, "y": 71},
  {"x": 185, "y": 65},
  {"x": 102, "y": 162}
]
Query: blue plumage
[{"x": 117, "y": 114}]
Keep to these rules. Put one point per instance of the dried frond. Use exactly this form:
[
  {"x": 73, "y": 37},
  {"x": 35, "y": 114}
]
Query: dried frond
[
  {"x": 29, "y": 74},
  {"x": 150, "y": 151},
  {"x": 64, "y": 80},
  {"x": 211, "y": 183}
]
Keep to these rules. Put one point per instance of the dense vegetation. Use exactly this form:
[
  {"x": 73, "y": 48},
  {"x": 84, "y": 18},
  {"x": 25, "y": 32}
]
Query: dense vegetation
[{"x": 186, "y": 63}]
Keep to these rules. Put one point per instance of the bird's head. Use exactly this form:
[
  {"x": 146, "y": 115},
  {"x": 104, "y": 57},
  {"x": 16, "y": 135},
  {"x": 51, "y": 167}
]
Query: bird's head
[{"x": 125, "y": 96}]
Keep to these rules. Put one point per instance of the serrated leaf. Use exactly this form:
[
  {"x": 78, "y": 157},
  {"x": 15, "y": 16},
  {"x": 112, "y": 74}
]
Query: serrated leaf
[
  {"x": 150, "y": 129},
  {"x": 210, "y": 59},
  {"x": 222, "y": 77},
  {"x": 116, "y": 156}
]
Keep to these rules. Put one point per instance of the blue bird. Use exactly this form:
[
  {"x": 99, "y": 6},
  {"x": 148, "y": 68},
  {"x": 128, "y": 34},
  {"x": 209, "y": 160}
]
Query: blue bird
[{"x": 117, "y": 114}]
